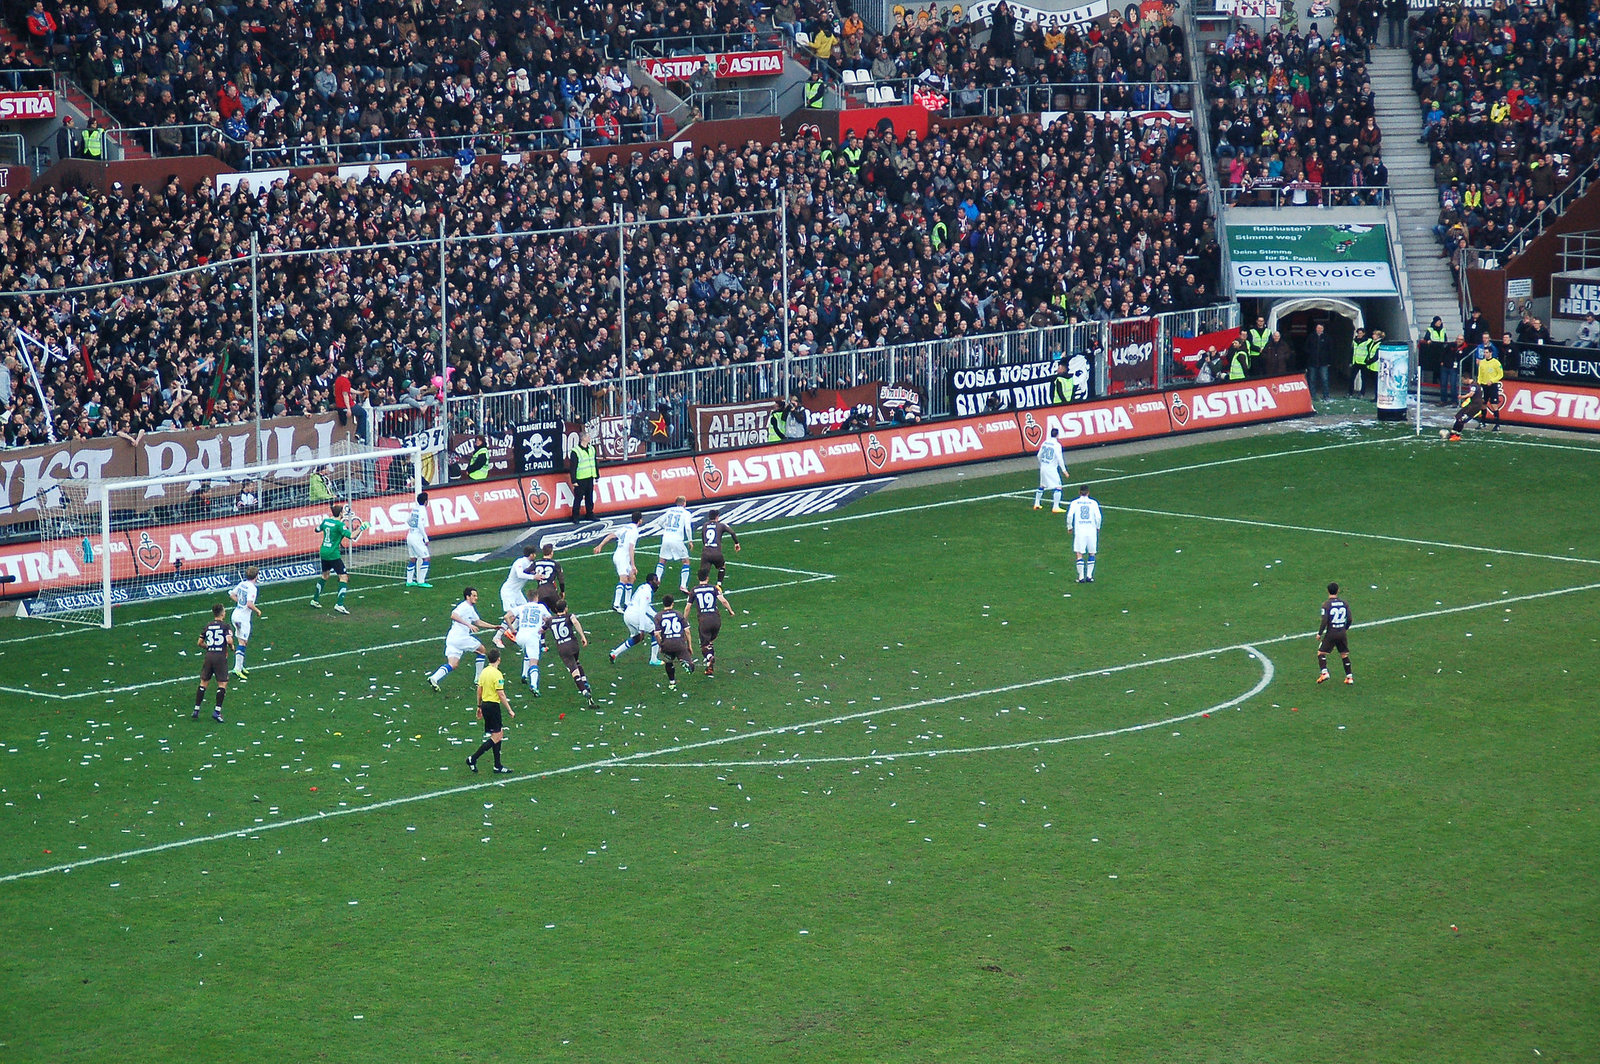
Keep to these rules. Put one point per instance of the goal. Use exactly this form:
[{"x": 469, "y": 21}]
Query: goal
[{"x": 154, "y": 538}]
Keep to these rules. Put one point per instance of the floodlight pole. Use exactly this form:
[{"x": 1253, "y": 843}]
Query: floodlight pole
[
  {"x": 622, "y": 294},
  {"x": 444, "y": 340},
  {"x": 783, "y": 258}
]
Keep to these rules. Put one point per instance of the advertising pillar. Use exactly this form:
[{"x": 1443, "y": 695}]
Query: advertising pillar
[{"x": 1394, "y": 372}]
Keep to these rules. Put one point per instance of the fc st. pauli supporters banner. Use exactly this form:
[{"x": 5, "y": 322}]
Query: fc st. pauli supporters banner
[{"x": 1299, "y": 260}]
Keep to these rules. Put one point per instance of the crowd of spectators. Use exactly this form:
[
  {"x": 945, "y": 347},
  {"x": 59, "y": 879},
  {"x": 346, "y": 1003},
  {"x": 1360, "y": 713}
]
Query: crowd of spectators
[
  {"x": 1292, "y": 115},
  {"x": 1509, "y": 112},
  {"x": 1130, "y": 61},
  {"x": 965, "y": 232}
]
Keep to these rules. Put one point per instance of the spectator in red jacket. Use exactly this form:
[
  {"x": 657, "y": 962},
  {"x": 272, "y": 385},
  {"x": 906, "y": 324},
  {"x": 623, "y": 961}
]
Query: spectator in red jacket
[{"x": 42, "y": 28}]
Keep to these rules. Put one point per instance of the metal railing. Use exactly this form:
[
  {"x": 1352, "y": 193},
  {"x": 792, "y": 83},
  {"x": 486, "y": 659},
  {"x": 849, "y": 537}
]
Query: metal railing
[
  {"x": 926, "y": 365},
  {"x": 702, "y": 44},
  {"x": 27, "y": 79},
  {"x": 257, "y": 157},
  {"x": 173, "y": 141},
  {"x": 1306, "y": 195},
  {"x": 1075, "y": 96},
  {"x": 1580, "y": 251},
  {"x": 1556, "y": 208},
  {"x": 729, "y": 103},
  {"x": 13, "y": 149}
]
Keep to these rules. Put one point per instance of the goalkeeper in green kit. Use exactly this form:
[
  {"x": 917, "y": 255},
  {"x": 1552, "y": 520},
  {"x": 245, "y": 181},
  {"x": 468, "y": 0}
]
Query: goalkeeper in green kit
[{"x": 334, "y": 531}]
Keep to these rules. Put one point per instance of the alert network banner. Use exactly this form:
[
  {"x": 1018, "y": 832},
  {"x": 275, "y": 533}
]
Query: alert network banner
[{"x": 1305, "y": 260}]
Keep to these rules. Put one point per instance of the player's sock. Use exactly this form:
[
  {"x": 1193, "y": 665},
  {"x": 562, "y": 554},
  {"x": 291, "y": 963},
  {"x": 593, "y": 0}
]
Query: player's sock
[
  {"x": 1055, "y": 499},
  {"x": 1081, "y": 573},
  {"x": 581, "y": 680},
  {"x": 533, "y": 676},
  {"x": 316, "y": 596},
  {"x": 661, "y": 567},
  {"x": 484, "y": 749},
  {"x": 655, "y": 651},
  {"x": 238, "y": 659},
  {"x": 441, "y": 672},
  {"x": 1322, "y": 662},
  {"x": 616, "y": 599},
  {"x": 1038, "y": 497},
  {"x": 1088, "y": 566},
  {"x": 709, "y": 655},
  {"x": 199, "y": 696},
  {"x": 411, "y": 571},
  {"x": 343, "y": 587},
  {"x": 617, "y": 653},
  {"x": 422, "y": 571},
  {"x": 222, "y": 692},
  {"x": 496, "y": 748},
  {"x": 683, "y": 578},
  {"x": 479, "y": 664},
  {"x": 672, "y": 671},
  {"x": 1348, "y": 671}
]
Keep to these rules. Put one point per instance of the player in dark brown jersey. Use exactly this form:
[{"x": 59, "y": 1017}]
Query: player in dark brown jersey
[
  {"x": 672, "y": 634},
  {"x": 215, "y": 639},
  {"x": 567, "y": 635},
  {"x": 1334, "y": 634},
  {"x": 712, "y": 533},
  {"x": 549, "y": 580},
  {"x": 705, "y": 600}
]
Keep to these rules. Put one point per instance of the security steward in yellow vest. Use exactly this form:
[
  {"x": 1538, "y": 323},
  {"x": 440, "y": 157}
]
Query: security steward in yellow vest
[
  {"x": 583, "y": 466},
  {"x": 1364, "y": 362},
  {"x": 852, "y": 153},
  {"x": 1436, "y": 348},
  {"x": 478, "y": 464},
  {"x": 1255, "y": 342},
  {"x": 94, "y": 141},
  {"x": 1238, "y": 360},
  {"x": 816, "y": 91}
]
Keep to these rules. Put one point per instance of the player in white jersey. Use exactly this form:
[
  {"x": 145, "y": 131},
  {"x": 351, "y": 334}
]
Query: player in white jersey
[
  {"x": 512, "y": 595},
  {"x": 1052, "y": 471},
  {"x": 527, "y": 624},
  {"x": 677, "y": 530},
  {"x": 622, "y": 557},
  {"x": 417, "y": 554},
  {"x": 465, "y": 624},
  {"x": 1083, "y": 517},
  {"x": 244, "y": 604},
  {"x": 641, "y": 619}
]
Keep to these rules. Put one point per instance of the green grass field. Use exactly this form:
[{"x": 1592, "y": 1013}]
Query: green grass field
[{"x": 940, "y": 803}]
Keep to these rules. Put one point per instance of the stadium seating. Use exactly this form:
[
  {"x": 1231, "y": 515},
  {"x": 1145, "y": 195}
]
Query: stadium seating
[{"x": 1081, "y": 219}]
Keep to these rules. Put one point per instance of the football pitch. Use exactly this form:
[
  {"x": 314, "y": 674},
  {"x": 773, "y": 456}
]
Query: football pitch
[{"x": 941, "y": 802}]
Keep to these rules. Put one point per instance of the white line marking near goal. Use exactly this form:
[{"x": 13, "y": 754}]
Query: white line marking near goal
[
  {"x": 1268, "y": 672},
  {"x": 763, "y": 733},
  {"x": 808, "y": 578},
  {"x": 1354, "y": 535},
  {"x": 645, "y": 755}
]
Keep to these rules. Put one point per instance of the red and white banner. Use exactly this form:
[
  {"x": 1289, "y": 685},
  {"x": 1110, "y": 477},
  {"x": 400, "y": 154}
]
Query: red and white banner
[
  {"x": 1556, "y": 406},
  {"x": 942, "y": 443},
  {"x": 15, "y": 106},
  {"x": 724, "y": 65},
  {"x": 782, "y": 465},
  {"x": 1238, "y": 403},
  {"x": 1186, "y": 350},
  {"x": 749, "y": 64},
  {"x": 1106, "y": 421}
]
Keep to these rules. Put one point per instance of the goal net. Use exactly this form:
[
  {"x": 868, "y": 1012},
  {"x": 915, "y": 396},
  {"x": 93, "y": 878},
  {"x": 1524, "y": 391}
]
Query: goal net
[{"x": 146, "y": 539}]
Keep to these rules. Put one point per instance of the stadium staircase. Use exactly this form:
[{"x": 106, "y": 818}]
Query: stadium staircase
[
  {"x": 75, "y": 97},
  {"x": 1416, "y": 198}
]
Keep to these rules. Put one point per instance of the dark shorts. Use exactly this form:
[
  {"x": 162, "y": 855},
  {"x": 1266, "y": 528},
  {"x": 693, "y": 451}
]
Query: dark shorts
[
  {"x": 1491, "y": 396},
  {"x": 332, "y": 565},
  {"x": 1332, "y": 641},
  {"x": 675, "y": 648},
  {"x": 547, "y": 595},
  {"x": 214, "y": 665},
  {"x": 491, "y": 717},
  {"x": 714, "y": 558},
  {"x": 569, "y": 658},
  {"x": 709, "y": 629}
]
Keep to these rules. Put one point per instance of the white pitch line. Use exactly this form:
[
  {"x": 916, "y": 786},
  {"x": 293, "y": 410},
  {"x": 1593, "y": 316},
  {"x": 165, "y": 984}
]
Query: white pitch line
[
  {"x": 287, "y": 662},
  {"x": 1355, "y": 535},
  {"x": 1268, "y": 671},
  {"x": 646, "y": 755}
]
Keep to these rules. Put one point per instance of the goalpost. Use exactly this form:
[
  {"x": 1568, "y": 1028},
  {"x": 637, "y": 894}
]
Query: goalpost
[{"x": 143, "y": 539}]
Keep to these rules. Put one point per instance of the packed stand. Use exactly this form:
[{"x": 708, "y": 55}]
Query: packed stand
[
  {"x": 318, "y": 83},
  {"x": 1509, "y": 112},
  {"x": 1292, "y": 116},
  {"x": 1008, "y": 64},
  {"x": 970, "y": 232}
]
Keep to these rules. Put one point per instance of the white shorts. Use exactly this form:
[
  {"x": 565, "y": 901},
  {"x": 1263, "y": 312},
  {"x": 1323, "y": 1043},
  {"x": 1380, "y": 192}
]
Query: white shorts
[
  {"x": 417, "y": 544},
  {"x": 639, "y": 623},
  {"x": 241, "y": 624},
  {"x": 1085, "y": 540},
  {"x": 674, "y": 550},
  {"x": 511, "y": 597},
  {"x": 624, "y": 565},
  {"x": 531, "y": 644},
  {"x": 1050, "y": 477},
  {"x": 457, "y": 645}
]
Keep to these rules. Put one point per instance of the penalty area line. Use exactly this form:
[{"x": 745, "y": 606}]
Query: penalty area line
[{"x": 332, "y": 655}]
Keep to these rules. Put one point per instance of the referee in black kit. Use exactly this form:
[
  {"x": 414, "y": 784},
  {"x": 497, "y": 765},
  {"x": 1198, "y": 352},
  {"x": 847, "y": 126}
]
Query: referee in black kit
[{"x": 583, "y": 466}]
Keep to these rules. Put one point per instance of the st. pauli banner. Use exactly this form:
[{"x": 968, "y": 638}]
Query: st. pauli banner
[
  {"x": 1131, "y": 358},
  {"x": 536, "y": 446},
  {"x": 212, "y": 455},
  {"x": 1573, "y": 297},
  {"x": 1301, "y": 260},
  {"x": 502, "y": 460},
  {"x": 991, "y": 389},
  {"x": 1048, "y": 18},
  {"x": 725, "y": 426}
]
